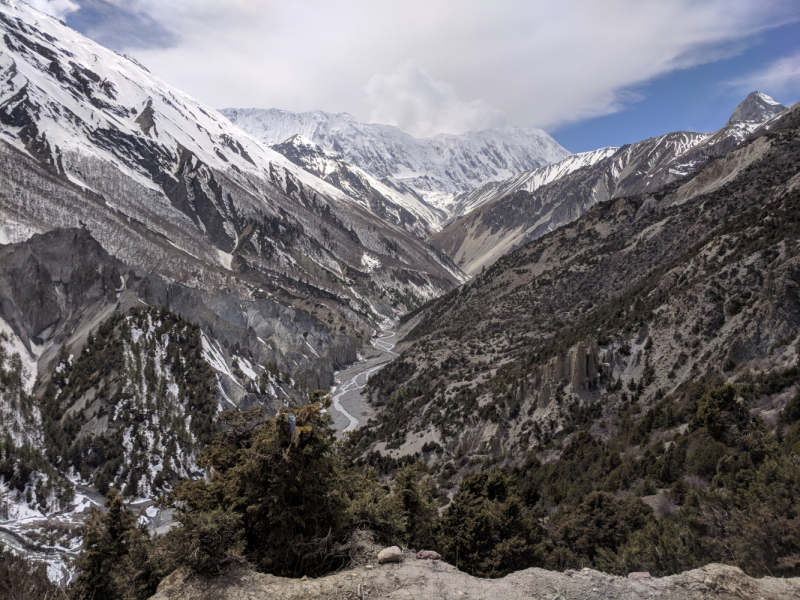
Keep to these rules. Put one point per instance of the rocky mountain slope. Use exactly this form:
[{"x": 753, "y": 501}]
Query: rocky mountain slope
[
  {"x": 516, "y": 211},
  {"x": 640, "y": 295},
  {"x": 169, "y": 186},
  {"x": 119, "y": 193},
  {"x": 433, "y": 168},
  {"x": 529, "y": 181},
  {"x": 402, "y": 208}
]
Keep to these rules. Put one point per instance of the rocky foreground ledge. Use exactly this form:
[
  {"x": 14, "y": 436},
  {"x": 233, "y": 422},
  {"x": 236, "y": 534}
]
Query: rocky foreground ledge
[{"x": 418, "y": 579}]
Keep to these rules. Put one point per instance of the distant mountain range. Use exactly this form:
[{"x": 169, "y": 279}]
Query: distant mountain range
[
  {"x": 475, "y": 195},
  {"x": 507, "y": 214},
  {"x": 393, "y": 204},
  {"x": 433, "y": 168}
]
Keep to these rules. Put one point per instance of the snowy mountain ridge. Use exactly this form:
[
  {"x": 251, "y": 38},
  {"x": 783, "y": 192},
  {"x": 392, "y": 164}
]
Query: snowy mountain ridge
[
  {"x": 430, "y": 167},
  {"x": 80, "y": 108},
  {"x": 398, "y": 206},
  {"x": 109, "y": 96},
  {"x": 465, "y": 202}
]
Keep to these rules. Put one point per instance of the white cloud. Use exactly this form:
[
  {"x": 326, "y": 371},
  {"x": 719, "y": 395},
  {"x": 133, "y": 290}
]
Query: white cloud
[
  {"x": 57, "y": 8},
  {"x": 780, "y": 78},
  {"x": 463, "y": 64},
  {"x": 419, "y": 104}
]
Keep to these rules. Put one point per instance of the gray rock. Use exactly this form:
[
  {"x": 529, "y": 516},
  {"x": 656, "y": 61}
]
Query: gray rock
[{"x": 393, "y": 554}]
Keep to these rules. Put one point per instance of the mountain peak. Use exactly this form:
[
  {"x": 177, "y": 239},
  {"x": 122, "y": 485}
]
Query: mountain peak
[
  {"x": 301, "y": 141},
  {"x": 756, "y": 108}
]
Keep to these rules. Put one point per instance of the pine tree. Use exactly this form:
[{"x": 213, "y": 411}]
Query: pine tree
[{"x": 118, "y": 559}]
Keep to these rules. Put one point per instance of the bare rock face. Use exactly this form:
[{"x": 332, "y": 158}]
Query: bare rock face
[
  {"x": 577, "y": 368},
  {"x": 756, "y": 108},
  {"x": 393, "y": 554}
]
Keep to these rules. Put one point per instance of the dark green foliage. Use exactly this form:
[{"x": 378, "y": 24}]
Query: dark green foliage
[
  {"x": 719, "y": 411},
  {"x": 487, "y": 530},
  {"x": 288, "y": 493},
  {"x": 286, "y": 499},
  {"x": 145, "y": 386},
  {"x": 599, "y": 525},
  {"x": 119, "y": 560},
  {"x": 413, "y": 502},
  {"x": 208, "y": 540},
  {"x": 703, "y": 453}
]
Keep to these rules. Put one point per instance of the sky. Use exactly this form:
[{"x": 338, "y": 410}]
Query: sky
[{"x": 591, "y": 73}]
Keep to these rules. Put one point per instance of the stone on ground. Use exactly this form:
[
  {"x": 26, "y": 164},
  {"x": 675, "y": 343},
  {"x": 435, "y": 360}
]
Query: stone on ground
[{"x": 392, "y": 554}]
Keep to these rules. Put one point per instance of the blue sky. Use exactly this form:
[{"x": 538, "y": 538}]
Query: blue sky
[
  {"x": 700, "y": 98},
  {"x": 590, "y": 73}
]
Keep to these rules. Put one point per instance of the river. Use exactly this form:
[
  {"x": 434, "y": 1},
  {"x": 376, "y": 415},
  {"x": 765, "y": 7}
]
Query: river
[{"x": 350, "y": 409}]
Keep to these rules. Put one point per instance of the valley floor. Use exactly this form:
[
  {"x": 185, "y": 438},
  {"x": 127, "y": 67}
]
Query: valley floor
[
  {"x": 437, "y": 580},
  {"x": 350, "y": 409}
]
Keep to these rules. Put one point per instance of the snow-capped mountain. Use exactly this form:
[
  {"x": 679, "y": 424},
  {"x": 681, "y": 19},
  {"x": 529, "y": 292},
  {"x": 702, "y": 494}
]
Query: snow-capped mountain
[
  {"x": 508, "y": 214},
  {"x": 529, "y": 181},
  {"x": 433, "y": 168},
  {"x": 278, "y": 259},
  {"x": 756, "y": 109},
  {"x": 402, "y": 208},
  {"x": 158, "y": 264}
]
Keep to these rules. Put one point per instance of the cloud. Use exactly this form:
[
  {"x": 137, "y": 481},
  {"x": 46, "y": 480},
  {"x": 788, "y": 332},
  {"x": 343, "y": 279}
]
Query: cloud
[
  {"x": 412, "y": 100},
  {"x": 462, "y": 64},
  {"x": 56, "y": 8},
  {"x": 121, "y": 26},
  {"x": 781, "y": 78}
]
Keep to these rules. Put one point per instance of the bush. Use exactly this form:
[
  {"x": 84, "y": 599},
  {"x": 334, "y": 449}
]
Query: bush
[
  {"x": 600, "y": 522},
  {"x": 119, "y": 559},
  {"x": 281, "y": 495},
  {"x": 208, "y": 540}
]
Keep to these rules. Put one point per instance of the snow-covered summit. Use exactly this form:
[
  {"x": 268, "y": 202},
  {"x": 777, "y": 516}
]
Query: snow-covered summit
[
  {"x": 444, "y": 163},
  {"x": 62, "y": 92},
  {"x": 756, "y": 108}
]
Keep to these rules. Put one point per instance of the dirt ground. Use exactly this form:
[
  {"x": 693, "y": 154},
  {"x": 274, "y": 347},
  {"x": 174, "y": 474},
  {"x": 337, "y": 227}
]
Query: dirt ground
[{"x": 419, "y": 580}]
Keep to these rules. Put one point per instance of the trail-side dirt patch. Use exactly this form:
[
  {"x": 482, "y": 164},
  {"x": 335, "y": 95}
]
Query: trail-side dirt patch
[{"x": 415, "y": 579}]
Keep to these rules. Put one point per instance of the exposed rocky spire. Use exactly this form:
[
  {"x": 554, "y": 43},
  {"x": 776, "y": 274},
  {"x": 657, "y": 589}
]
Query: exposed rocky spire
[{"x": 756, "y": 108}]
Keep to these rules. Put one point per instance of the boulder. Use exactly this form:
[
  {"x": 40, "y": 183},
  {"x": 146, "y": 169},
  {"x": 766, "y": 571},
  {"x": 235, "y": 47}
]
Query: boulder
[
  {"x": 428, "y": 555},
  {"x": 393, "y": 554}
]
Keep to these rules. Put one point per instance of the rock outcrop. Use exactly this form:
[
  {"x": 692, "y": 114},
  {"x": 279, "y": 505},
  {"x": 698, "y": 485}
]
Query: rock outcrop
[{"x": 575, "y": 371}]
